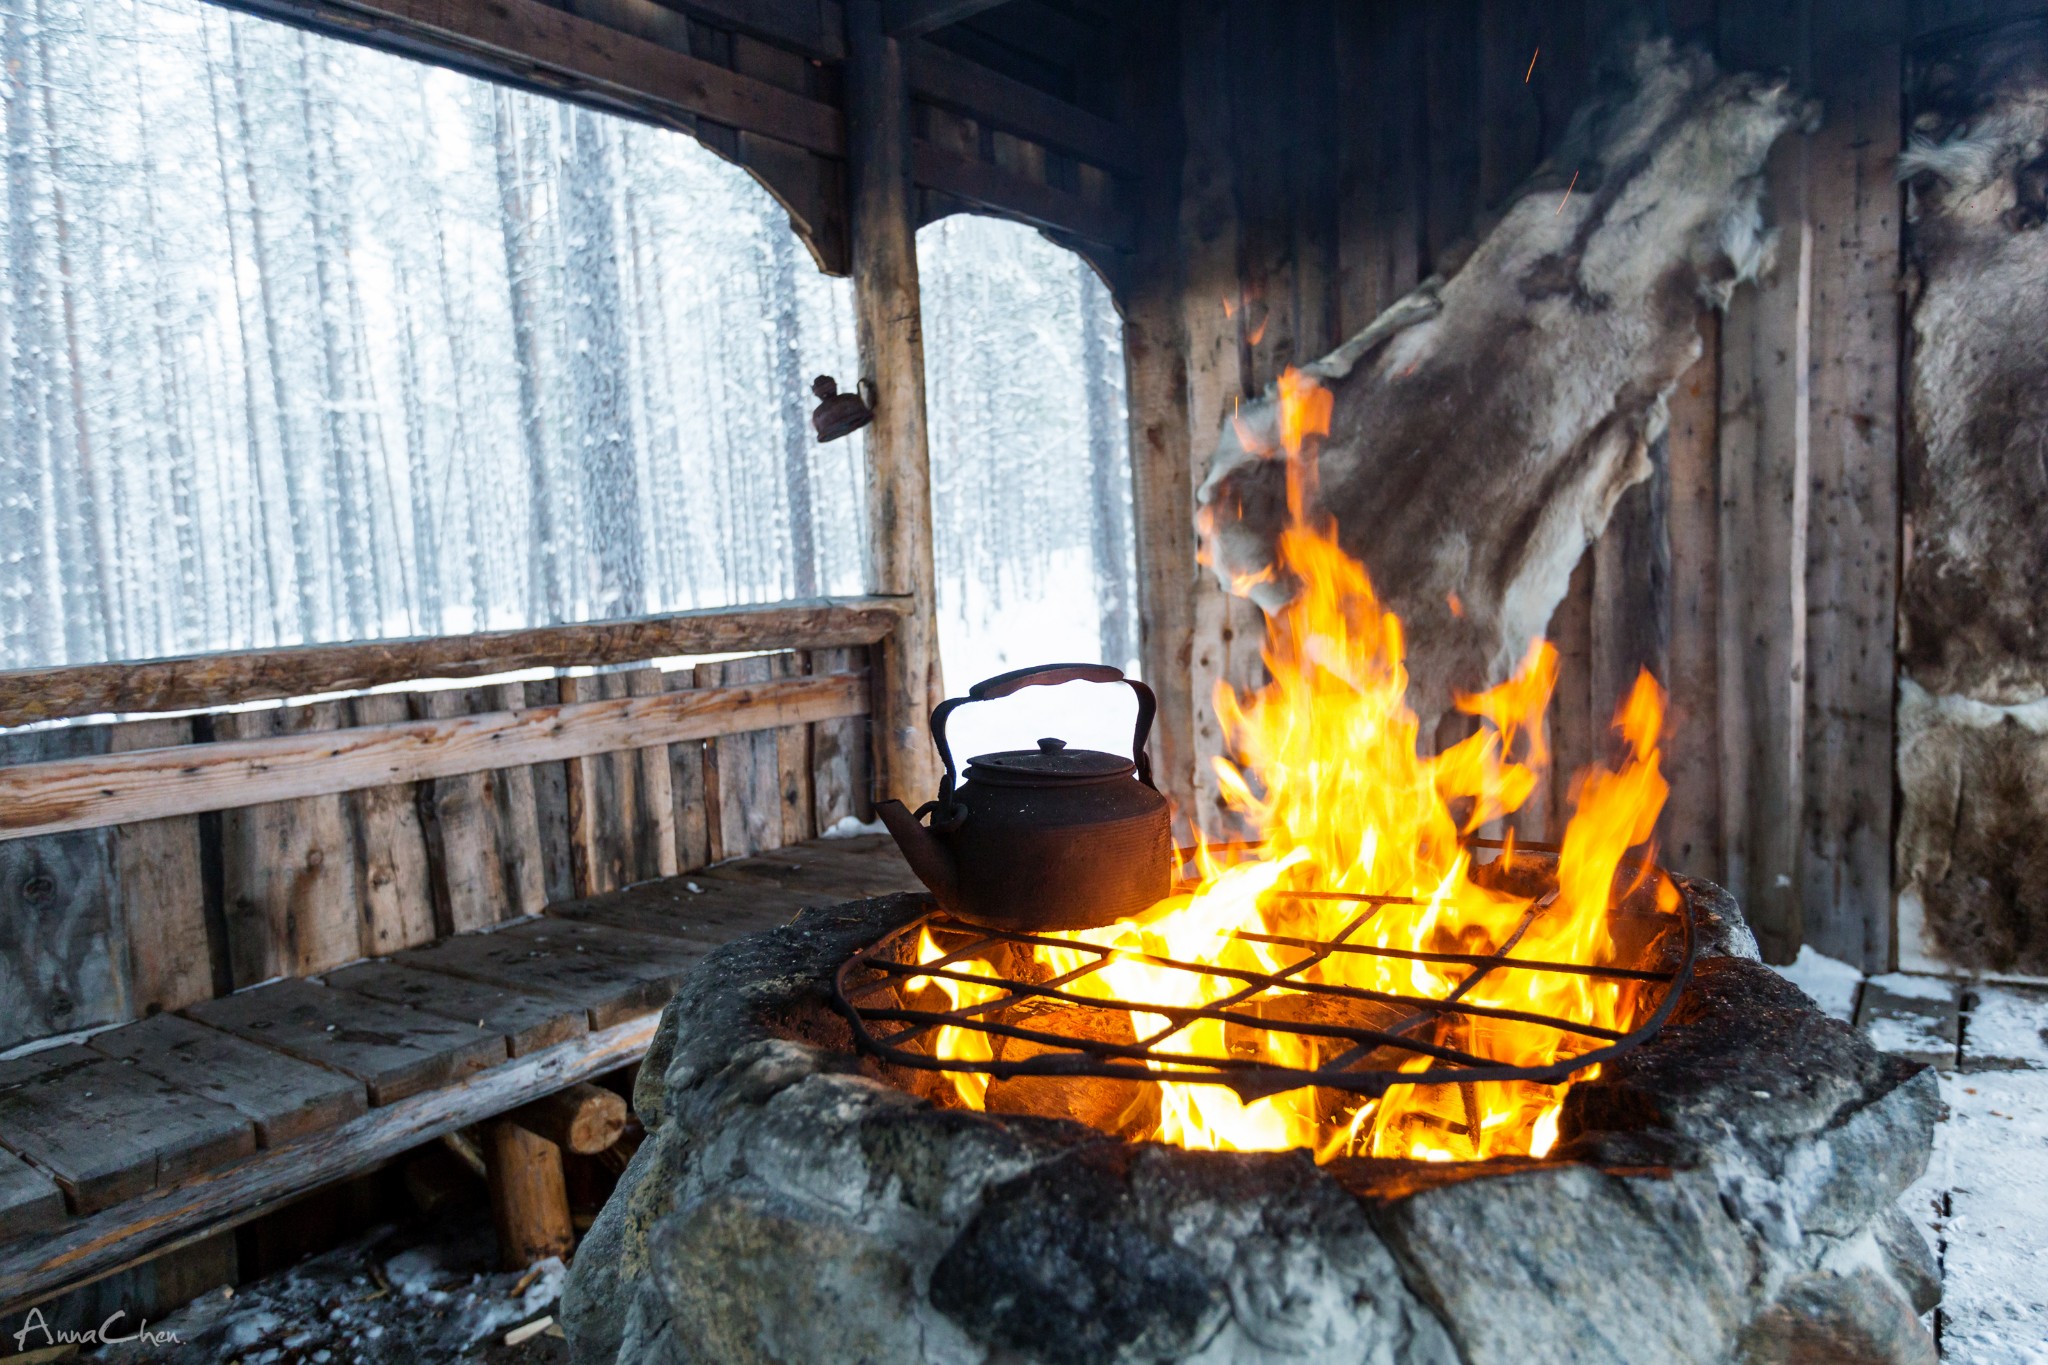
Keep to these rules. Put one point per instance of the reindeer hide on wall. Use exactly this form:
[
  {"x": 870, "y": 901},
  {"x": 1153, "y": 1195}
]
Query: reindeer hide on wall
[
  {"x": 1484, "y": 426},
  {"x": 1973, "y": 712}
]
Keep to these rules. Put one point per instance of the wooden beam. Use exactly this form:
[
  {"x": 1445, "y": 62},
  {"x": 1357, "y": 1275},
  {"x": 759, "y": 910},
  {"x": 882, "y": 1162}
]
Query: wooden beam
[
  {"x": 814, "y": 28},
  {"x": 536, "y": 44},
  {"x": 203, "y": 680},
  {"x": 529, "y": 1197},
  {"x": 887, "y": 309},
  {"x": 1162, "y": 491},
  {"x": 903, "y": 19},
  {"x": 88, "y": 1248},
  {"x": 951, "y": 81},
  {"x": 584, "y": 1119},
  {"x": 113, "y": 789},
  {"x": 1852, "y": 564},
  {"x": 988, "y": 186}
]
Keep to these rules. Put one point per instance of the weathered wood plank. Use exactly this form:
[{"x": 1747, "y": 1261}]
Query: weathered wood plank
[
  {"x": 1631, "y": 595},
  {"x": 283, "y": 1097},
  {"x": 162, "y": 891},
  {"x": 608, "y": 987},
  {"x": 891, "y": 334},
  {"x": 621, "y": 805},
  {"x": 1451, "y": 84},
  {"x": 687, "y": 791},
  {"x": 1851, "y": 565},
  {"x": 526, "y": 1022},
  {"x": 291, "y": 897},
  {"x": 743, "y": 769},
  {"x": 1214, "y": 308},
  {"x": 1510, "y": 106},
  {"x": 63, "y": 965},
  {"x": 944, "y": 78},
  {"x": 551, "y": 807},
  {"x": 165, "y": 1219},
  {"x": 109, "y": 1131},
  {"x": 482, "y": 827},
  {"x": 987, "y": 185},
  {"x": 1382, "y": 131},
  {"x": 717, "y": 911},
  {"x": 1574, "y": 727},
  {"x": 594, "y": 851},
  {"x": 654, "y": 813},
  {"x": 54, "y": 797},
  {"x": 1692, "y": 748},
  {"x": 827, "y": 870},
  {"x": 792, "y": 767},
  {"x": 550, "y": 47},
  {"x": 838, "y": 761},
  {"x": 30, "y": 1202},
  {"x": 390, "y": 848},
  {"x": 1162, "y": 489},
  {"x": 915, "y": 18},
  {"x": 271, "y": 674},
  {"x": 1765, "y": 439},
  {"x": 392, "y": 1050}
]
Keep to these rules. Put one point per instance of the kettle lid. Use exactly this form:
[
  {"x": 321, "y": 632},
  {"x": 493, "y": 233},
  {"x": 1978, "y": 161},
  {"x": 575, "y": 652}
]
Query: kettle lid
[{"x": 1051, "y": 764}]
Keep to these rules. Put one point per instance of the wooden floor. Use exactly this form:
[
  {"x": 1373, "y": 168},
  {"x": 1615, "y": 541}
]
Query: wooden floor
[{"x": 154, "y": 1134}]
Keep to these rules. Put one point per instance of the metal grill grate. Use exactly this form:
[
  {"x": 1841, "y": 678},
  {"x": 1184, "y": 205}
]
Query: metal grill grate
[{"x": 869, "y": 990}]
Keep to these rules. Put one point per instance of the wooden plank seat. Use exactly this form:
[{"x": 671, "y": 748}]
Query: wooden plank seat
[{"x": 155, "y": 1134}]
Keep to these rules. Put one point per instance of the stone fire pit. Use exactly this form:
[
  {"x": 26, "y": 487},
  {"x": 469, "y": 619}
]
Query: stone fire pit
[{"x": 1725, "y": 1192}]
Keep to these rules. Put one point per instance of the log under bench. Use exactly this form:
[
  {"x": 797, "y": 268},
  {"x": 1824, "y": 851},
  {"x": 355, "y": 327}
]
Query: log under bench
[{"x": 153, "y": 1135}]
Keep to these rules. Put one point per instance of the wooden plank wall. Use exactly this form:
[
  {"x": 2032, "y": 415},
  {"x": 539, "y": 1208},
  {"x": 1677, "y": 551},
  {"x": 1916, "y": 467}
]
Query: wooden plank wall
[
  {"x": 105, "y": 925},
  {"x": 1336, "y": 154}
]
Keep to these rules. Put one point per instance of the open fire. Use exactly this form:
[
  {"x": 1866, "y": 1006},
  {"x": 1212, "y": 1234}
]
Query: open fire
[{"x": 1362, "y": 839}]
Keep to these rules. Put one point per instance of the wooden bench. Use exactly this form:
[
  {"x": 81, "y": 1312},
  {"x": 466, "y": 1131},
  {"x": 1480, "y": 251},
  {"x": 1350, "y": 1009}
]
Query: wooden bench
[
  {"x": 153, "y": 1135},
  {"x": 335, "y": 929}
]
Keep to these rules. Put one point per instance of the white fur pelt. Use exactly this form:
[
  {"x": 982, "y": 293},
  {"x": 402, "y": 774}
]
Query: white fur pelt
[
  {"x": 1484, "y": 427},
  {"x": 1972, "y": 841}
]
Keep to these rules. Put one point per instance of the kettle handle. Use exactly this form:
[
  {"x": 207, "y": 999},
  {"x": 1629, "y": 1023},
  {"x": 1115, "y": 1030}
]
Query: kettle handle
[{"x": 1041, "y": 675}]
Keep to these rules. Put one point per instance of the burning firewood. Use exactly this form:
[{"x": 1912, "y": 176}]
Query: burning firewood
[{"x": 1484, "y": 426}]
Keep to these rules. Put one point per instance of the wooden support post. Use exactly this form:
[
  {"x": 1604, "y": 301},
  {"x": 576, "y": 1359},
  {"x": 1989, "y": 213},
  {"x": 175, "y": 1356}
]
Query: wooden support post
[
  {"x": 1162, "y": 490},
  {"x": 529, "y": 1199},
  {"x": 584, "y": 1119},
  {"x": 891, "y": 331}
]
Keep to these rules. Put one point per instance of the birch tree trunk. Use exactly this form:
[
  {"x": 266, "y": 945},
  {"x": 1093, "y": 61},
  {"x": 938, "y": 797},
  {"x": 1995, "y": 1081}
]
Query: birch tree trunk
[
  {"x": 597, "y": 365},
  {"x": 192, "y": 623},
  {"x": 29, "y": 626},
  {"x": 305, "y": 582},
  {"x": 350, "y": 504},
  {"x": 515, "y": 223},
  {"x": 252, "y": 446},
  {"x": 426, "y": 536},
  {"x": 789, "y": 393},
  {"x": 1107, "y": 484},
  {"x": 97, "y": 626}
]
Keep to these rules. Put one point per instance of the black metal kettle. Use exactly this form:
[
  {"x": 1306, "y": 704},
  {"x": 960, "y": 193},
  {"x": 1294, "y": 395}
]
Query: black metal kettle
[{"x": 1045, "y": 838}]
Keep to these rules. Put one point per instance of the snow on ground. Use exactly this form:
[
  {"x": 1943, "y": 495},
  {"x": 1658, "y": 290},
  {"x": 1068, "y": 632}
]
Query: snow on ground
[
  {"x": 2009, "y": 1025},
  {"x": 1908, "y": 986},
  {"x": 1828, "y": 982},
  {"x": 1984, "y": 1202}
]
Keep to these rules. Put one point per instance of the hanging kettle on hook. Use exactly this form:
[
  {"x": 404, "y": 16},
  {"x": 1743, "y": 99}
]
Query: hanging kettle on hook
[{"x": 1044, "y": 838}]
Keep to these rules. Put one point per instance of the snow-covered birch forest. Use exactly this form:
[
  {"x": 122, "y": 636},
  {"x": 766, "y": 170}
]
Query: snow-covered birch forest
[{"x": 308, "y": 342}]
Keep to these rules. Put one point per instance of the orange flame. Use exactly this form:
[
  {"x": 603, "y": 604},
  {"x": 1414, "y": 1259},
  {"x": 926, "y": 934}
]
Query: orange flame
[{"x": 1327, "y": 769}]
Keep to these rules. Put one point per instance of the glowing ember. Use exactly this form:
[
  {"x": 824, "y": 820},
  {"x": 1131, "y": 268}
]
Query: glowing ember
[{"x": 1329, "y": 776}]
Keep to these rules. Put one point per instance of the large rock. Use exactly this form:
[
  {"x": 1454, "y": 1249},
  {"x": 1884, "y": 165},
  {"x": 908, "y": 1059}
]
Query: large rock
[{"x": 793, "y": 1203}]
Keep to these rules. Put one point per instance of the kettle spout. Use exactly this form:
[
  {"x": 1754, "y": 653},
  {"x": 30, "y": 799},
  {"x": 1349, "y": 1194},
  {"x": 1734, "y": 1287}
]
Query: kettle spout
[{"x": 931, "y": 860}]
